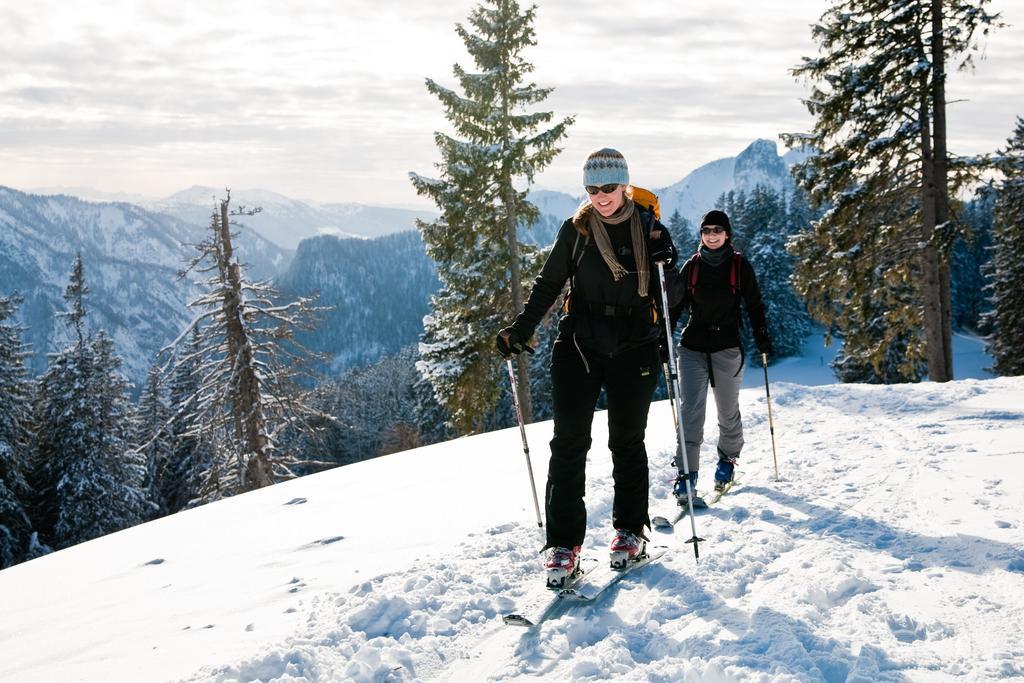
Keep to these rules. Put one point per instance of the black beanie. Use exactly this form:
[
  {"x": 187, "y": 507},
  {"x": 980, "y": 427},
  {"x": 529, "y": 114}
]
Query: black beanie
[{"x": 716, "y": 217}]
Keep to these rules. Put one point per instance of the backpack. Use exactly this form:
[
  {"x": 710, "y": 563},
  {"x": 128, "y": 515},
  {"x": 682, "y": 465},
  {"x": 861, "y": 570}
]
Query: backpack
[
  {"x": 734, "y": 273},
  {"x": 646, "y": 199}
]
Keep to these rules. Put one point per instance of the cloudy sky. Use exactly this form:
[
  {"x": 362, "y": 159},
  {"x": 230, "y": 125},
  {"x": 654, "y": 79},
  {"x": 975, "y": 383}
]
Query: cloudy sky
[{"x": 324, "y": 99}]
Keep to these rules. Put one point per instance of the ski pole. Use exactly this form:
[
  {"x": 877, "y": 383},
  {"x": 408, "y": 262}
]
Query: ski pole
[
  {"x": 522, "y": 433},
  {"x": 677, "y": 404},
  {"x": 771, "y": 424},
  {"x": 672, "y": 402},
  {"x": 671, "y": 394}
]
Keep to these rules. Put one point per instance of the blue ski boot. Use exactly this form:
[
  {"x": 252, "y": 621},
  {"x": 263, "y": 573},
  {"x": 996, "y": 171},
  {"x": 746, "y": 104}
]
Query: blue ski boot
[
  {"x": 679, "y": 491},
  {"x": 724, "y": 472}
]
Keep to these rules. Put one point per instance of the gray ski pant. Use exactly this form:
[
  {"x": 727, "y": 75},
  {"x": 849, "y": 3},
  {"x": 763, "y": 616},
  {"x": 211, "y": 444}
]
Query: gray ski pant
[{"x": 696, "y": 373}]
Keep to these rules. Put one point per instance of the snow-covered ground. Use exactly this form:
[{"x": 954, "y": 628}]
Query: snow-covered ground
[{"x": 890, "y": 548}]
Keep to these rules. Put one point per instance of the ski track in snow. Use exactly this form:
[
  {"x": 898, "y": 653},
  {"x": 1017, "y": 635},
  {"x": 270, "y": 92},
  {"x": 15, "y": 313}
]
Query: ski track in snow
[{"x": 891, "y": 549}]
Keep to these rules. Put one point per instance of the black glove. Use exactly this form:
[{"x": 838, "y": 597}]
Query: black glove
[
  {"x": 764, "y": 343},
  {"x": 663, "y": 250},
  {"x": 509, "y": 342}
]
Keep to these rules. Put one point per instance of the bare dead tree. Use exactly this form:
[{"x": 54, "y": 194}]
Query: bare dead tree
[{"x": 247, "y": 361}]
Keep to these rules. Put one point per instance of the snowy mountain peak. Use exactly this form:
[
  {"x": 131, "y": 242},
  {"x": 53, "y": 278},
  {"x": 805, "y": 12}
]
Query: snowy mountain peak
[
  {"x": 551, "y": 203},
  {"x": 760, "y": 164}
]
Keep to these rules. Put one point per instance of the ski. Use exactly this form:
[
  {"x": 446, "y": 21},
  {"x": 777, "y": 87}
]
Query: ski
[
  {"x": 593, "y": 589},
  {"x": 583, "y": 591},
  {"x": 720, "y": 494},
  {"x": 667, "y": 524},
  {"x": 587, "y": 564}
]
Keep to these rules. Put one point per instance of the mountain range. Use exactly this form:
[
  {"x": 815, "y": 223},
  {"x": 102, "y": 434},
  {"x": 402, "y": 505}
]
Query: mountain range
[
  {"x": 353, "y": 254},
  {"x": 286, "y": 221},
  {"x": 131, "y": 258}
]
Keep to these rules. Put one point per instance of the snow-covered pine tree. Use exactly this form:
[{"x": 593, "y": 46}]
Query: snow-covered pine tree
[
  {"x": 734, "y": 204},
  {"x": 15, "y": 524},
  {"x": 763, "y": 210},
  {"x": 482, "y": 265},
  {"x": 799, "y": 214},
  {"x": 864, "y": 294},
  {"x": 374, "y": 410},
  {"x": 880, "y": 127},
  {"x": 540, "y": 375},
  {"x": 682, "y": 232},
  {"x": 87, "y": 479},
  {"x": 1006, "y": 342},
  {"x": 181, "y": 480},
  {"x": 246, "y": 364},
  {"x": 154, "y": 438},
  {"x": 969, "y": 261},
  {"x": 433, "y": 421}
]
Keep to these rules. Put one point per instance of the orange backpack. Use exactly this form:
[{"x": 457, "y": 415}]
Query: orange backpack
[{"x": 645, "y": 198}]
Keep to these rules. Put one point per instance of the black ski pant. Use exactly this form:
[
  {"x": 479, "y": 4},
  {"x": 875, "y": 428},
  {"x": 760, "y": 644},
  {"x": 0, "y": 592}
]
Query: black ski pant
[{"x": 628, "y": 380}]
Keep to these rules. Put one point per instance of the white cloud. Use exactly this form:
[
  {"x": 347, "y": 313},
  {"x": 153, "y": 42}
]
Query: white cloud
[{"x": 325, "y": 99}]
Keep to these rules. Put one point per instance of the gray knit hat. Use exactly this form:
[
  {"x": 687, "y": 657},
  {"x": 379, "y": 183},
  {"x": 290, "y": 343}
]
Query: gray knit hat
[{"x": 605, "y": 166}]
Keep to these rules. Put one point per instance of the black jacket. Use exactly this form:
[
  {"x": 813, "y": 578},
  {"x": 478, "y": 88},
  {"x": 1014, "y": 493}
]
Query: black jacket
[
  {"x": 714, "y": 322},
  {"x": 604, "y": 316}
]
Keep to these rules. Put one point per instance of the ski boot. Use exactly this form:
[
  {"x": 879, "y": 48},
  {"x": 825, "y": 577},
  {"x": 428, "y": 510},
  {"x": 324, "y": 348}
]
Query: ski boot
[
  {"x": 563, "y": 566},
  {"x": 725, "y": 471},
  {"x": 679, "y": 491},
  {"x": 626, "y": 547}
]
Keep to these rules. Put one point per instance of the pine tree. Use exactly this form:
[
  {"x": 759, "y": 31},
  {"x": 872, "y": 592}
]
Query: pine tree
[
  {"x": 369, "y": 412},
  {"x": 681, "y": 230},
  {"x": 432, "y": 419},
  {"x": 971, "y": 254},
  {"x": 879, "y": 105},
  {"x": 246, "y": 364},
  {"x": 15, "y": 524},
  {"x": 1006, "y": 273},
  {"x": 475, "y": 243},
  {"x": 861, "y": 294},
  {"x": 180, "y": 482},
  {"x": 87, "y": 478},
  {"x": 156, "y": 444}
]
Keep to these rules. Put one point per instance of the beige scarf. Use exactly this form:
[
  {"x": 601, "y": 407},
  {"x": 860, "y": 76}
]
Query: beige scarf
[{"x": 626, "y": 212}]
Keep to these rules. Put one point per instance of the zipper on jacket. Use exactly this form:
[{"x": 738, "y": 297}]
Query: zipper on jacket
[{"x": 586, "y": 365}]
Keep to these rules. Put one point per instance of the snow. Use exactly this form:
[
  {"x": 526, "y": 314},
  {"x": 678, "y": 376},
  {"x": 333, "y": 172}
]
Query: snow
[{"x": 890, "y": 548}]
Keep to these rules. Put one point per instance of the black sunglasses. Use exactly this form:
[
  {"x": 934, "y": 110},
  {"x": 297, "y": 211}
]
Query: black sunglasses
[
  {"x": 713, "y": 229},
  {"x": 607, "y": 189}
]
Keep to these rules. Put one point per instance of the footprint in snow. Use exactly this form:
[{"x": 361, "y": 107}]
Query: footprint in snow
[
  {"x": 323, "y": 541},
  {"x": 885, "y": 540},
  {"x": 296, "y": 501},
  {"x": 905, "y": 629}
]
